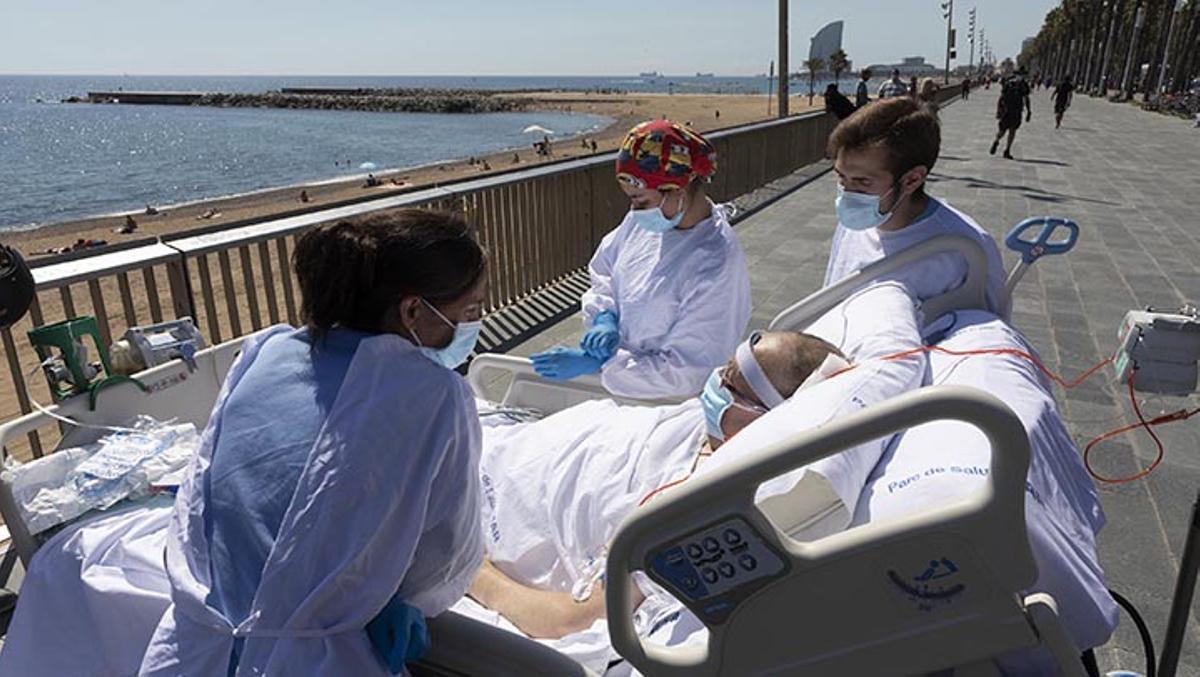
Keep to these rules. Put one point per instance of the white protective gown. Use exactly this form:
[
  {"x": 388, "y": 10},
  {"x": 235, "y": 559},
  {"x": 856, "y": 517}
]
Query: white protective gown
[
  {"x": 949, "y": 459},
  {"x": 855, "y": 249},
  {"x": 389, "y": 497},
  {"x": 683, "y": 299}
]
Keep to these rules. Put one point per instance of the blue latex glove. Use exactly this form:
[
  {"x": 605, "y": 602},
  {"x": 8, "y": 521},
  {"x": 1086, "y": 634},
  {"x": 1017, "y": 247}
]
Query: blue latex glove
[
  {"x": 398, "y": 635},
  {"x": 561, "y": 364},
  {"x": 602, "y": 339}
]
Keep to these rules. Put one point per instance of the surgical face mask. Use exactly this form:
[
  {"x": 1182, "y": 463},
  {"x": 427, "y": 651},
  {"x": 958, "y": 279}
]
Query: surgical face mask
[
  {"x": 716, "y": 399},
  {"x": 466, "y": 335},
  {"x": 860, "y": 211},
  {"x": 653, "y": 219}
]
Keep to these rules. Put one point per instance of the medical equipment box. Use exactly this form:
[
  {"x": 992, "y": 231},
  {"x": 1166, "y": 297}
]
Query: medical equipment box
[{"x": 1161, "y": 349}]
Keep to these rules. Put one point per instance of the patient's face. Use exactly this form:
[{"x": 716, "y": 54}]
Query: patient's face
[{"x": 746, "y": 406}]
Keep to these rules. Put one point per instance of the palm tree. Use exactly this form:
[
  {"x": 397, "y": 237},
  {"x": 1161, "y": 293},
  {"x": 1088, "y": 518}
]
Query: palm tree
[
  {"x": 814, "y": 66},
  {"x": 838, "y": 63}
]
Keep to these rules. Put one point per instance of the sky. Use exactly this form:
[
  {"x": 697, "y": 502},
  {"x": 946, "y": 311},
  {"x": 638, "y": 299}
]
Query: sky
[{"x": 477, "y": 37}]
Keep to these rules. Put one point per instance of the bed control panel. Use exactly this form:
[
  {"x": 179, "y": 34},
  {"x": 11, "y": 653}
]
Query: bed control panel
[{"x": 712, "y": 570}]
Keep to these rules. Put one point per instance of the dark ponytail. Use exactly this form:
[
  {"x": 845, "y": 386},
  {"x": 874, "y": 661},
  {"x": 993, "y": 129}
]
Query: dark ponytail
[{"x": 351, "y": 272}]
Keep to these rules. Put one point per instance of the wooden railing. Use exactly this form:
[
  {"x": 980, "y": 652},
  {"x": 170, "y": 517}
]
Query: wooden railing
[{"x": 539, "y": 224}]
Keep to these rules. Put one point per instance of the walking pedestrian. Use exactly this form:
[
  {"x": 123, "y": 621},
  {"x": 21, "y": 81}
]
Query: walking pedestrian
[
  {"x": 966, "y": 89},
  {"x": 861, "y": 96}
]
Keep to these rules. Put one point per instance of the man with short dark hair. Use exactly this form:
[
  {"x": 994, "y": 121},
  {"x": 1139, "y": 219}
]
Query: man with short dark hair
[
  {"x": 883, "y": 155},
  {"x": 861, "y": 96},
  {"x": 1014, "y": 93}
]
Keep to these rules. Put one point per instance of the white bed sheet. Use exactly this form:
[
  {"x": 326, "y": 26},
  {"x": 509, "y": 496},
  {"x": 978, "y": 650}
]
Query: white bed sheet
[{"x": 938, "y": 462}]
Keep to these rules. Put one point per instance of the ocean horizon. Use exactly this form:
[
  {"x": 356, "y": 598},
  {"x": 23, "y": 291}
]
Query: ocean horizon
[{"x": 64, "y": 162}]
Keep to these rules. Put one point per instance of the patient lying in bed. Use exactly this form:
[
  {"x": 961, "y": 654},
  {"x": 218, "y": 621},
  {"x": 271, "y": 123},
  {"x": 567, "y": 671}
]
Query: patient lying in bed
[{"x": 556, "y": 491}]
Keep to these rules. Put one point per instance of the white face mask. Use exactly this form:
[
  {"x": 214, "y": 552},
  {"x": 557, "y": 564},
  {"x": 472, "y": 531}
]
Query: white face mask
[
  {"x": 466, "y": 335},
  {"x": 653, "y": 220},
  {"x": 860, "y": 211}
]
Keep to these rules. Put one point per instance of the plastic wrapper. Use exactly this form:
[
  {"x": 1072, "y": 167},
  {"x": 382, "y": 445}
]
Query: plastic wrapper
[{"x": 126, "y": 464}]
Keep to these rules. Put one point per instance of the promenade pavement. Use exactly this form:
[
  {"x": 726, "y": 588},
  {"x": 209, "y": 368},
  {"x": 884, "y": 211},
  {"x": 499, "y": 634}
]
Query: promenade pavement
[{"x": 1131, "y": 179}]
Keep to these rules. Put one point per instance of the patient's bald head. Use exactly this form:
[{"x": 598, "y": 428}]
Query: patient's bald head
[{"x": 787, "y": 358}]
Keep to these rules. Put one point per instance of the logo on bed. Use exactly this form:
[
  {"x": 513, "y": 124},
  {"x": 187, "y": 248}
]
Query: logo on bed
[{"x": 936, "y": 585}]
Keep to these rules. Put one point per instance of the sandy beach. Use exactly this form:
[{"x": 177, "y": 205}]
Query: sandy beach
[{"x": 700, "y": 110}]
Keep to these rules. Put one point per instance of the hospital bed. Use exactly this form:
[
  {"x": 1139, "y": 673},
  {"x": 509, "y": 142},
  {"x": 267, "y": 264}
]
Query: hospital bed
[{"x": 985, "y": 616}]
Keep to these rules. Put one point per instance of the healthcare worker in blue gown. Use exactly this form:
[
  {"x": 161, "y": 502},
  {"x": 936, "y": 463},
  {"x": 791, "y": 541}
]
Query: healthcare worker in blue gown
[
  {"x": 334, "y": 499},
  {"x": 670, "y": 292}
]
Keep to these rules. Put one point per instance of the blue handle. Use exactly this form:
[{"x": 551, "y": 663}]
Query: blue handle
[{"x": 1042, "y": 244}]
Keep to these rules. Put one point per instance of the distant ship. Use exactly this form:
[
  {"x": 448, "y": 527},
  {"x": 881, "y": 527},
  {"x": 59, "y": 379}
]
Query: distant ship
[
  {"x": 649, "y": 74},
  {"x": 705, "y": 75}
]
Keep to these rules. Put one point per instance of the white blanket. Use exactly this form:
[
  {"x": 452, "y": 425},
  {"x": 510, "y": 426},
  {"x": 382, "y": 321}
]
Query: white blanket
[
  {"x": 99, "y": 587},
  {"x": 941, "y": 461}
]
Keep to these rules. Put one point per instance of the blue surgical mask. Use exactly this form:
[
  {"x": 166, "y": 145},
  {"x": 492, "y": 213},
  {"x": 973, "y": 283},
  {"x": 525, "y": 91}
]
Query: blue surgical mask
[
  {"x": 653, "y": 219},
  {"x": 860, "y": 211},
  {"x": 716, "y": 400},
  {"x": 466, "y": 335}
]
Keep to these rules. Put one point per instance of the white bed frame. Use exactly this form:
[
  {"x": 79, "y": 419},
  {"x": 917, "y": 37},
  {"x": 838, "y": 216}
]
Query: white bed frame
[
  {"x": 847, "y": 604},
  {"x": 186, "y": 395}
]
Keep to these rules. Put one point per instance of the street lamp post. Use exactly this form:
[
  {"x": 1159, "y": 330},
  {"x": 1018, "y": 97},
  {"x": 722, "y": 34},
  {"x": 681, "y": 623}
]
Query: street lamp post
[
  {"x": 971, "y": 61},
  {"x": 948, "y": 7},
  {"x": 783, "y": 58}
]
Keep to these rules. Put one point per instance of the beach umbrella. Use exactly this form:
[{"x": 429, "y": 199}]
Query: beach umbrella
[
  {"x": 369, "y": 166},
  {"x": 536, "y": 129}
]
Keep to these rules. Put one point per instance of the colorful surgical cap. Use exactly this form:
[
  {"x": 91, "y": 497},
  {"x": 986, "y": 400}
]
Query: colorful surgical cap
[{"x": 661, "y": 154}]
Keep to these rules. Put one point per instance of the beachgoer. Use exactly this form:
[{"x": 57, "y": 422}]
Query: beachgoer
[
  {"x": 837, "y": 103},
  {"x": 130, "y": 226},
  {"x": 595, "y": 146},
  {"x": 928, "y": 91},
  {"x": 717, "y": 113},
  {"x": 304, "y": 196},
  {"x": 516, "y": 158},
  {"x": 150, "y": 210},
  {"x": 1014, "y": 93},
  {"x": 861, "y": 96},
  {"x": 893, "y": 87}
]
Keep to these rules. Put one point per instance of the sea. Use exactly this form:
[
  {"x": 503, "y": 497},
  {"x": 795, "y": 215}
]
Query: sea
[{"x": 61, "y": 162}]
